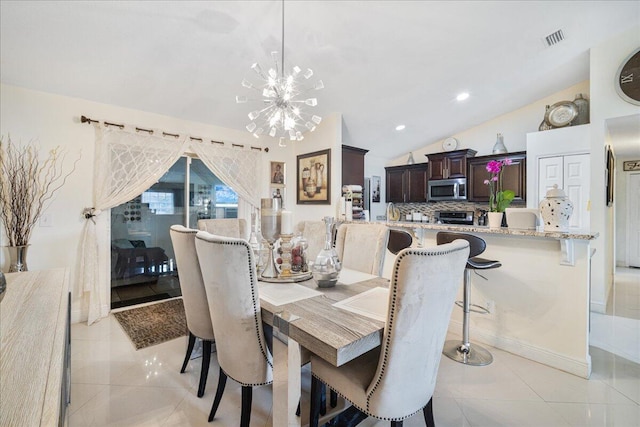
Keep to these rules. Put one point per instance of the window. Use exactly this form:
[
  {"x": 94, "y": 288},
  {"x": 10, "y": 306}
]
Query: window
[{"x": 225, "y": 197}]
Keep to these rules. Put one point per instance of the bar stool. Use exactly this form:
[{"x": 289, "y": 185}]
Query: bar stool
[{"x": 463, "y": 352}]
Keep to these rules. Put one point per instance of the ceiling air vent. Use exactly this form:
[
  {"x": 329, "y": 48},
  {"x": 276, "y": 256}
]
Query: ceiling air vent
[{"x": 554, "y": 38}]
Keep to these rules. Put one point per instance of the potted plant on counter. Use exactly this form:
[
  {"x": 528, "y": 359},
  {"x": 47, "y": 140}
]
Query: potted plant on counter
[
  {"x": 27, "y": 186},
  {"x": 499, "y": 198}
]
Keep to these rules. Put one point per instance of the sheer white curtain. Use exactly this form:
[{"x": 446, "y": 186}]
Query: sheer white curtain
[
  {"x": 238, "y": 168},
  {"x": 127, "y": 162}
]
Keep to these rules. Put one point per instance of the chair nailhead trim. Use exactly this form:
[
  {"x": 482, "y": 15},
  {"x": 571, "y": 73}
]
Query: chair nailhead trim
[
  {"x": 253, "y": 298},
  {"x": 367, "y": 412},
  {"x": 248, "y": 384},
  {"x": 392, "y": 313}
]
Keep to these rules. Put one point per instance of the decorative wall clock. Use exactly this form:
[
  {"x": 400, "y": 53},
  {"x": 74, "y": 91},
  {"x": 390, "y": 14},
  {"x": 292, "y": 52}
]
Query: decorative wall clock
[{"x": 628, "y": 78}]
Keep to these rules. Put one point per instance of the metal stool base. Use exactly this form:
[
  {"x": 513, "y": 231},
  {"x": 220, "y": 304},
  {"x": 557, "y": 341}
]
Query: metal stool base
[{"x": 474, "y": 356}]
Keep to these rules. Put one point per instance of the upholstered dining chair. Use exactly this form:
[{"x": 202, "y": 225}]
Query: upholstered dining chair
[
  {"x": 229, "y": 274},
  {"x": 228, "y": 227},
  {"x": 194, "y": 298},
  {"x": 362, "y": 247},
  {"x": 397, "y": 379},
  {"x": 399, "y": 239}
]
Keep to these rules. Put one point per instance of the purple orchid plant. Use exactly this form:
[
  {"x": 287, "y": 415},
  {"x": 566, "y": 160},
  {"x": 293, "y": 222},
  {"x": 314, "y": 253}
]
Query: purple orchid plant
[{"x": 499, "y": 199}]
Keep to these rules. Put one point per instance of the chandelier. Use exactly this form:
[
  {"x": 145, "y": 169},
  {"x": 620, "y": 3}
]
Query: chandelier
[{"x": 283, "y": 96}]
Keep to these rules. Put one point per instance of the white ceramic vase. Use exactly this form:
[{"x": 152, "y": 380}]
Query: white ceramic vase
[
  {"x": 556, "y": 209},
  {"x": 495, "y": 219}
]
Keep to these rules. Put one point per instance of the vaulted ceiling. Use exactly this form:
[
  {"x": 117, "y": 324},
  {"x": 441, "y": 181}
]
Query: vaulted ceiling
[{"x": 383, "y": 63}]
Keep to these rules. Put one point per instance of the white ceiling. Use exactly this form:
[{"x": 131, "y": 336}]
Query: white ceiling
[{"x": 382, "y": 62}]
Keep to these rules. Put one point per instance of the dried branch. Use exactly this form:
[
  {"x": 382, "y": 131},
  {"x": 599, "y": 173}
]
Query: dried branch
[{"x": 27, "y": 187}]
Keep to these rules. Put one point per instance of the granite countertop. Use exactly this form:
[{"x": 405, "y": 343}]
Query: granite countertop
[{"x": 573, "y": 234}]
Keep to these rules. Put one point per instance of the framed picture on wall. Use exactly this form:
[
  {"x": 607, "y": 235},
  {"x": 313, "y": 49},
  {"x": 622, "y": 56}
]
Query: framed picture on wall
[
  {"x": 277, "y": 174},
  {"x": 313, "y": 178},
  {"x": 375, "y": 189},
  {"x": 610, "y": 165}
]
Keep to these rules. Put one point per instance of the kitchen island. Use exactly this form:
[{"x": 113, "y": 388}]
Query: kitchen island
[{"x": 539, "y": 298}]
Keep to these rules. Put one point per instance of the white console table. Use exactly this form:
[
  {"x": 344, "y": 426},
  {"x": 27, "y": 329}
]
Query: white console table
[{"x": 34, "y": 349}]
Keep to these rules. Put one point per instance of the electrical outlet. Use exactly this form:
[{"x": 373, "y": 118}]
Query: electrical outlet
[
  {"x": 46, "y": 220},
  {"x": 491, "y": 307}
]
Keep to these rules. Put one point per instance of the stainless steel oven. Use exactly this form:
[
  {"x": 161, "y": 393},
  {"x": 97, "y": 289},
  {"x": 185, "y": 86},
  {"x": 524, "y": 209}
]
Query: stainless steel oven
[{"x": 447, "y": 189}]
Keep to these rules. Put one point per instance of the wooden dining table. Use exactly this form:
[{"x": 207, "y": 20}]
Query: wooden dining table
[{"x": 315, "y": 323}]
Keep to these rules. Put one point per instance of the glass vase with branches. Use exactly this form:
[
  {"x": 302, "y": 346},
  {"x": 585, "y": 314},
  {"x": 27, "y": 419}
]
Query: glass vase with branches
[{"x": 27, "y": 186}]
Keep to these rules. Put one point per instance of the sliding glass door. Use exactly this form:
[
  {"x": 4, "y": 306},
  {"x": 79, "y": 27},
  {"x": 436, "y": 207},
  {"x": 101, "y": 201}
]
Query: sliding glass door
[{"x": 143, "y": 265}]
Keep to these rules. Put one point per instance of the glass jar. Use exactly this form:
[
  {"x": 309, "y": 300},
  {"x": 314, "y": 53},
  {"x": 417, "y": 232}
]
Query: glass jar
[
  {"x": 326, "y": 267},
  {"x": 299, "y": 263}
]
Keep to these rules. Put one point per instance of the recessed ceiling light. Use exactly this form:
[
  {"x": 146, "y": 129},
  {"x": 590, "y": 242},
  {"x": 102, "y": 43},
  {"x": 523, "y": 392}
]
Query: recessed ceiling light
[
  {"x": 462, "y": 96},
  {"x": 400, "y": 127}
]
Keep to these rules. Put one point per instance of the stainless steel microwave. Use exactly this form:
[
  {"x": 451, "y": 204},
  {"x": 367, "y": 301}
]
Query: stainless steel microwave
[{"x": 447, "y": 189}]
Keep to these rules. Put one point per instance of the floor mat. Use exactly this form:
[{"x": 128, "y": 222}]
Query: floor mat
[{"x": 153, "y": 324}]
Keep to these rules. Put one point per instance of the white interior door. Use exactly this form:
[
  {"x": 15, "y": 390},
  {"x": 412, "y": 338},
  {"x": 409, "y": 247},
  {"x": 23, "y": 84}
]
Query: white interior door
[
  {"x": 633, "y": 219},
  {"x": 550, "y": 172},
  {"x": 576, "y": 187}
]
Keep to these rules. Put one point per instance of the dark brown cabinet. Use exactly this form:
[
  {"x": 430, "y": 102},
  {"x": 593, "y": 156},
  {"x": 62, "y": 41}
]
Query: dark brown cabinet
[
  {"x": 514, "y": 176},
  {"x": 452, "y": 164},
  {"x": 353, "y": 165},
  {"x": 407, "y": 183}
]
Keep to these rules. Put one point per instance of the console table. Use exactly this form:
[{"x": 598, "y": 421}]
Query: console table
[{"x": 35, "y": 339}]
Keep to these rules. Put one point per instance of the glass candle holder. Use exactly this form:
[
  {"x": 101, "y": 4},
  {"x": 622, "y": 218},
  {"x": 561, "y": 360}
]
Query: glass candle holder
[{"x": 270, "y": 225}]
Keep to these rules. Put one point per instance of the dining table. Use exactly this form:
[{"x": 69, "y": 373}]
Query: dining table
[{"x": 337, "y": 324}]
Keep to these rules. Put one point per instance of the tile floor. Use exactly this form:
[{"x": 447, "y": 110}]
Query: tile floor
[
  {"x": 112, "y": 384},
  {"x": 618, "y": 330}
]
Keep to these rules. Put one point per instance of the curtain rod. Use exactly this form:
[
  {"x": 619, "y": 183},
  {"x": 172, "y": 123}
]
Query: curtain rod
[{"x": 85, "y": 119}]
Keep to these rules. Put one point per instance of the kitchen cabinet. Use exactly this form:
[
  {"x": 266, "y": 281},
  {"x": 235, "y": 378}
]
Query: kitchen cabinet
[
  {"x": 407, "y": 183},
  {"x": 514, "y": 177},
  {"x": 353, "y": 165},
  {"x": 452, "y": 164}
]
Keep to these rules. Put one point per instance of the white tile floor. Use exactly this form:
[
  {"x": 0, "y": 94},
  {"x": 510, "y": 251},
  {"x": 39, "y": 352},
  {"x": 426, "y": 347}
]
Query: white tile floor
[
  {"x": 112, "y": 384},
  {"x": 618, "y": 331}
]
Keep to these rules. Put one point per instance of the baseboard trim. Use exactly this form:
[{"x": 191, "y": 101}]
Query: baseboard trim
[
  {"x": 598, "y": 307},
  {"x": 581, "y": 368}
]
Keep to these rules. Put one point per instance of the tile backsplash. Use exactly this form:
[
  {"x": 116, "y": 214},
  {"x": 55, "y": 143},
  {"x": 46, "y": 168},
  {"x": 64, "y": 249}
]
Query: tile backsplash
[{"x": 429, "y": 209}]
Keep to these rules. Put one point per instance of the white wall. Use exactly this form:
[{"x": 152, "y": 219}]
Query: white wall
[
  {"x": 605, "y": 104},
  {"x": 514, "y": 126},
  {"x": 374, "y": 166},
  {"x": 54, "y": 120},
  {"x": 327, "y": 135},
  {"x": 620, "y": 199}
]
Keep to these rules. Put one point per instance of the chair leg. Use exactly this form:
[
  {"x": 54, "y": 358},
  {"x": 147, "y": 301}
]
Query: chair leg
[
  {"x": 245, "y": 416},
  {"x": 222, "y": 381},
  {"x": 192, "y": 342},
  {"x": 323, "y": 399},
  {"x": 316, "y": 395},
  {"x": 333, "y": 398},
  {"x": 428, "y": 414},
  {"x": 204, "y": 371}
]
